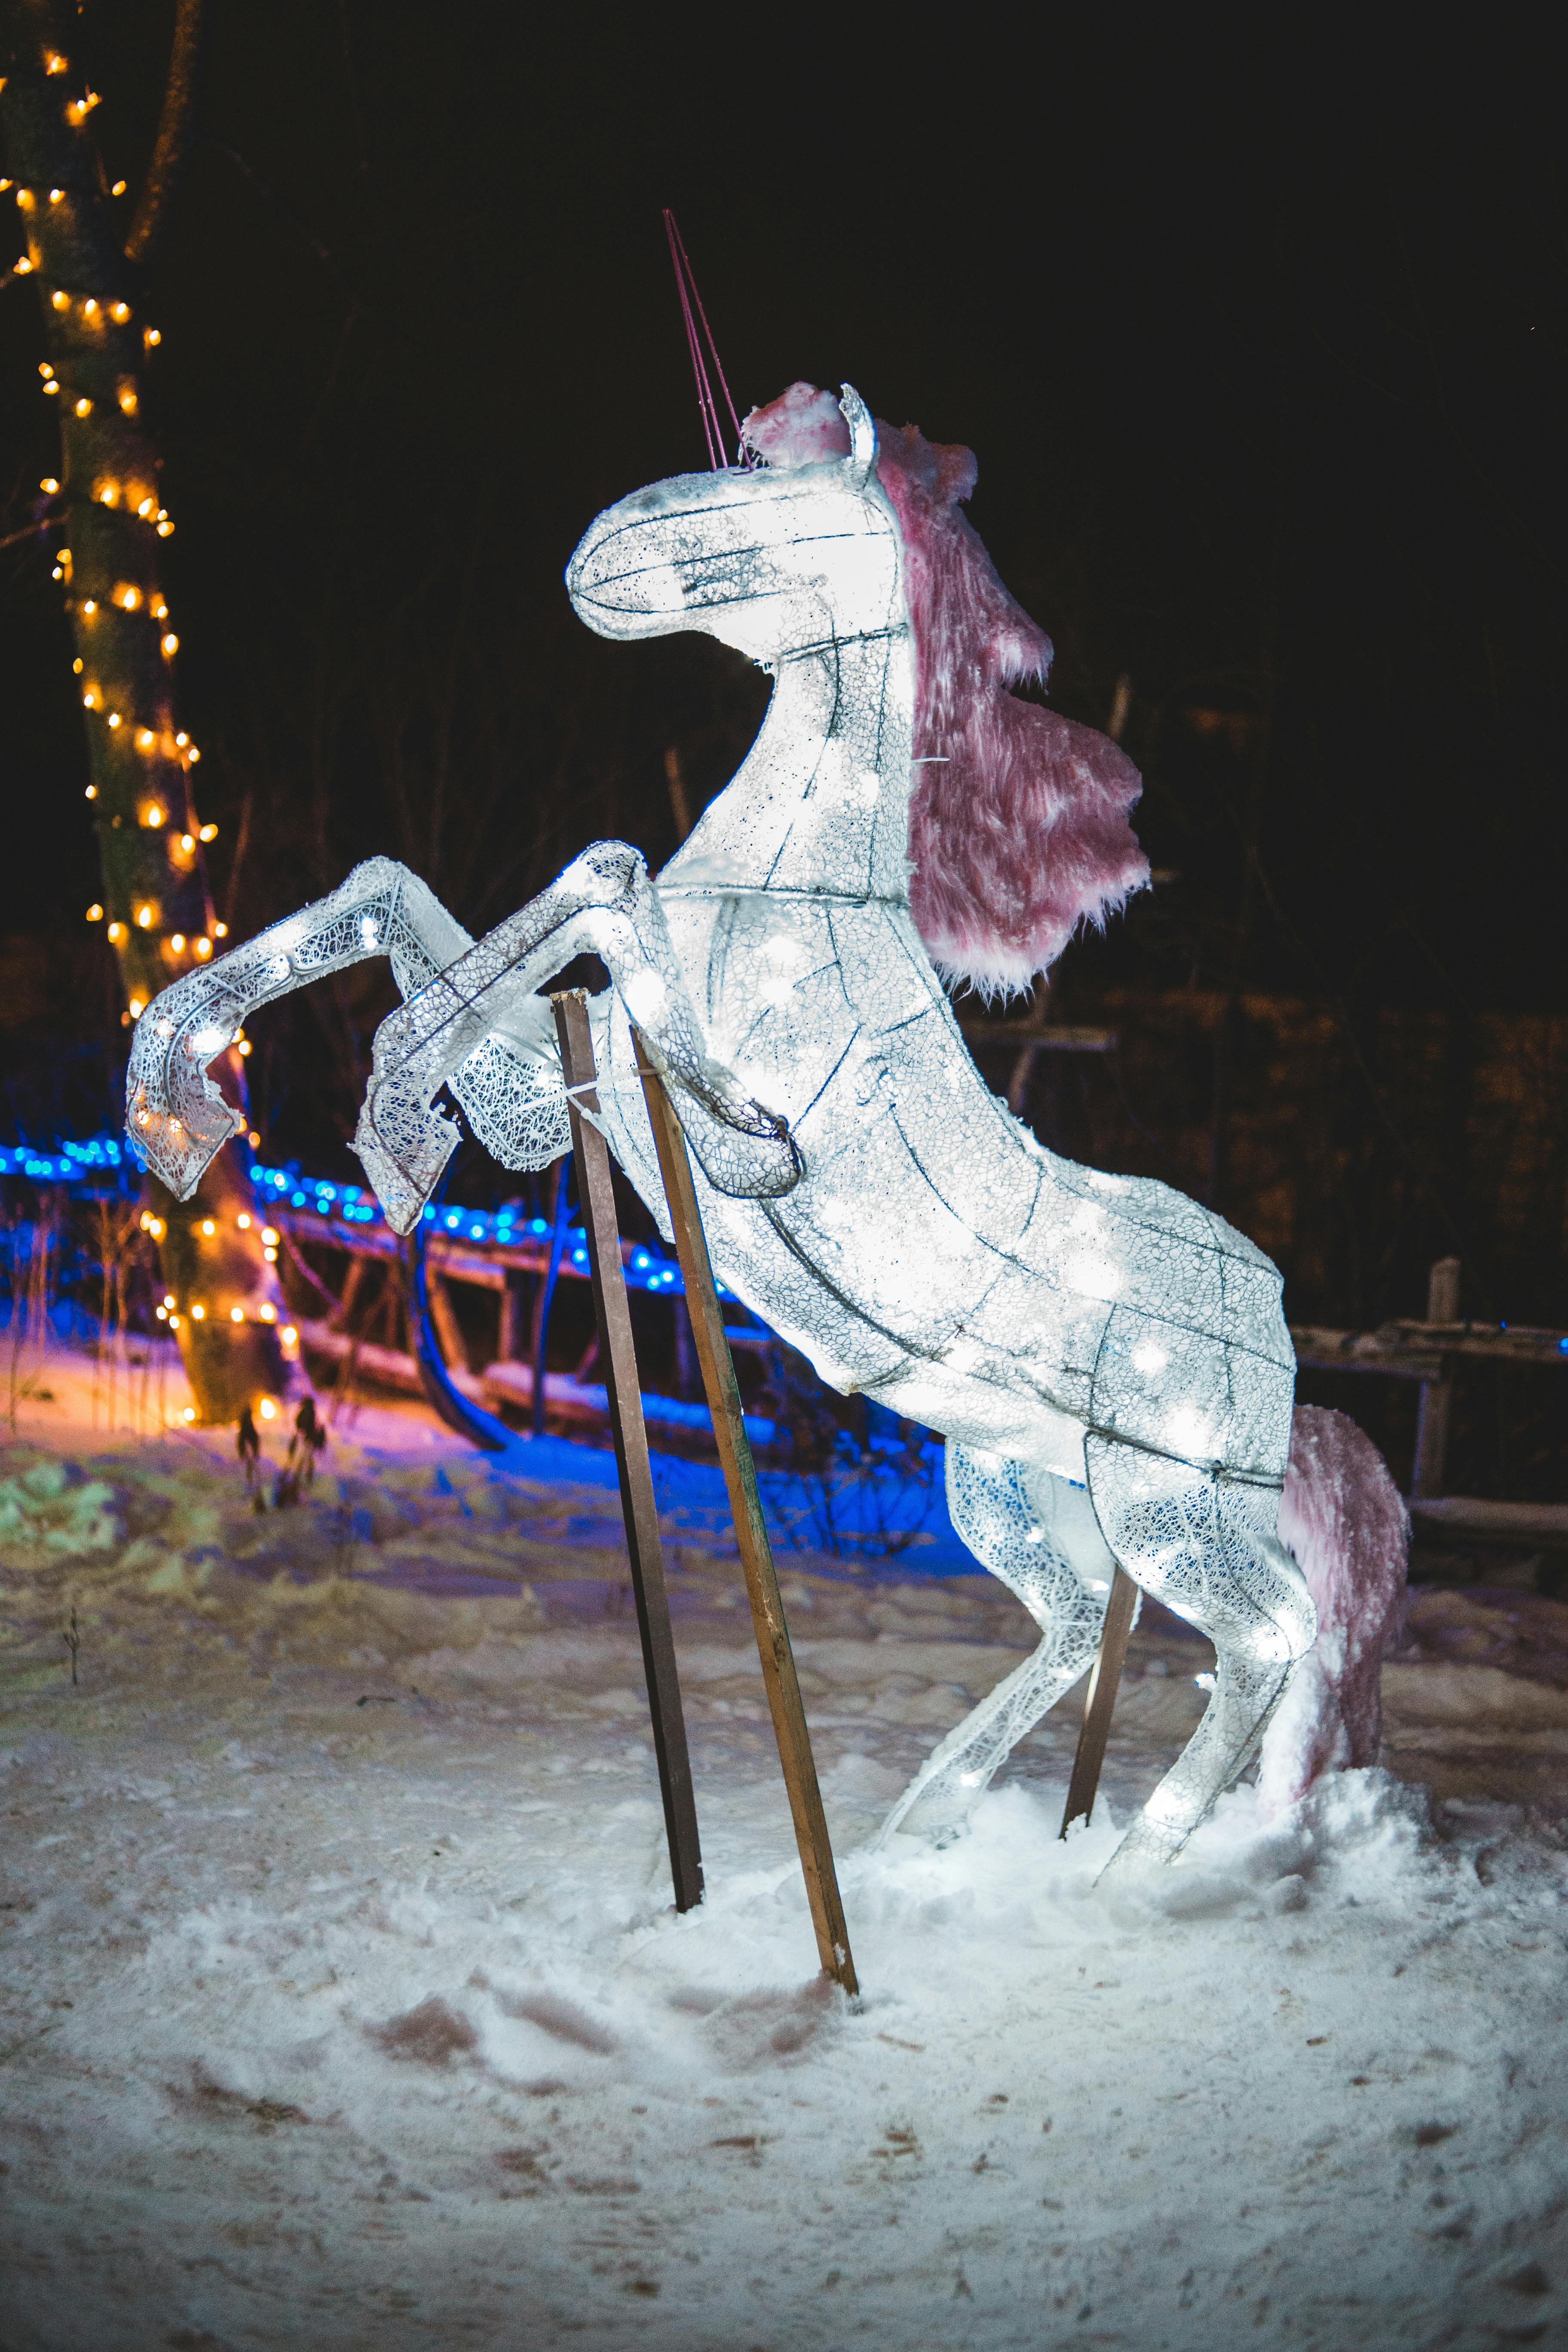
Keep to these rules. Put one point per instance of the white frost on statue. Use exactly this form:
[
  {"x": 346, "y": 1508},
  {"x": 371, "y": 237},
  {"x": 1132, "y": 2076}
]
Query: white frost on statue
[{"x": 1107, "y": 1361}]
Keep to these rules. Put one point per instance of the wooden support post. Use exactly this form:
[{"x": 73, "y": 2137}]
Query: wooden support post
[
  {"x": 1023, "y": 1071},
  {"x": 443, "y": 1315},
  {"x": 509, "y": 1334},
  {"x": 779, "y": 1676},
  {"x": 639, "y": 1504},
  {"x": 1101, "y": 1699},
  {"x": 1426, "y": 1477}
]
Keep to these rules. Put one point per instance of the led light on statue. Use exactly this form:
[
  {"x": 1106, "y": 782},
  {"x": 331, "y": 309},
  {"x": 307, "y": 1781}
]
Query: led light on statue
[{"x": 1107, "y": 1361}]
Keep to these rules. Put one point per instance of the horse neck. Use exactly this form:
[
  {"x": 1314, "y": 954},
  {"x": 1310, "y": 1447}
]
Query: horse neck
[{"x": 820, "y": 807}]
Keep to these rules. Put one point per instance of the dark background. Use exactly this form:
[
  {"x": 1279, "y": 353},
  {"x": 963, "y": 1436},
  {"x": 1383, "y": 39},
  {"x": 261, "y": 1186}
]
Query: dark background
[{"x": 1255, "y": 320}]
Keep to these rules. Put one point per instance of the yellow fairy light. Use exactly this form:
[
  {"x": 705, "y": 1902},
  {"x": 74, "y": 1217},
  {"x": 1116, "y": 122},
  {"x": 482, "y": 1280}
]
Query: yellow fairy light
[
  {"x": 150, "y": 336},
  {"x": 117, "y": 930},
  {"x": 90, "y": 700},
  {"x": 269, "y": 1236},
  {"x": 158, "y": 609},
  {"x": 198, "y": 1314},
  {"x": 178, "y": 942},
  {"x": 154, "y": 815},
  {"x": 127, "y": 396},
  {"x": 145, "y": 738},
  {"x": 54, "y": 63},
  {"x": 22, "y": 265},
  {"x": 127, "y": 594},
  {"x": 115, "y": 720},
  {"x": 137, "y": 1009},
  {"x": 209, "y": 832},
  {"x": 267, "y": 1314},
  {"x": 243, "y": 1221},
  {"x": 109, "y": 494},
  {"x": 93, "y": 789},
  {"x": 203, "y": 947},
  {"x": 195, "y": 755},
  {"x": 267, "y": 1408},
  {"x": 190, "y": 1411},
  {"x": 51, "y": 387},
  {"x": 145, "y": 508},
  {"x": 245, "y": 1046},
  {"x": 43, "y": 368},
  {"x": 169, "y": 1298},
  {"x": 55, "y": 195},
  {"x": 60, "y": 298},
  {"x": 49, "y": 485},
  {"x": 166, "y": 530},
  {"x": 163, "y": 1314},
  {"x": 236, "y": 1314},
  {"x": 220, "y": 931},
  {"x": 289, "y": 1335},
  {"x": 90, "y": 606},
  {"x": 171, "y": 643},
  {"x": 145, "y": 916},
  {"x": 89, "y": 308},
  {"x": 187, "y": 843},
  {"x": 94, "y": 913},
  {"x": 117, "y": 190},
  {"x": 182, "y": 739},
  {"x": 208, "y": 1227},
  {"x": 120, "y": 312},
  {"x": 84, "y": 406}
]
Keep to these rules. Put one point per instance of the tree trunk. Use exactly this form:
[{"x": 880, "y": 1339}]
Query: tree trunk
[{"x": 110, "y": 526}]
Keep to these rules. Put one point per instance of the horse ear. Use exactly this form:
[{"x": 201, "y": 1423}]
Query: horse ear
[{"x": 862, "y": 430}]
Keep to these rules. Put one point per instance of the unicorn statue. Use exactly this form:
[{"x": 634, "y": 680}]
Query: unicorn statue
[{"x": 1107, "y": 1362}]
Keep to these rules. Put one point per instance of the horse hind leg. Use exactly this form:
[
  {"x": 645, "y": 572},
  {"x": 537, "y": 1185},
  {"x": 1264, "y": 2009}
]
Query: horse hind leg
[
  {"x": 1038, "y": 1535},
  {"x": 1207, "y": 1547}
]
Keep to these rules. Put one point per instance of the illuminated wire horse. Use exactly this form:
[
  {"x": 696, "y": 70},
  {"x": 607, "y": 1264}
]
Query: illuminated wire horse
[{"x": 1107, "y": 1361}]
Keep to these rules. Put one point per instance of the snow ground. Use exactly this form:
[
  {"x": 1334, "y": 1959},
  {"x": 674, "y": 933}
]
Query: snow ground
[{"x": 343, "y": 2007}]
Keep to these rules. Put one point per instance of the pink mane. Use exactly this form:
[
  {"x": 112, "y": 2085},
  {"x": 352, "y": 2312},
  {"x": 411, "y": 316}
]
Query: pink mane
[{"x": 1018, "y": 826}]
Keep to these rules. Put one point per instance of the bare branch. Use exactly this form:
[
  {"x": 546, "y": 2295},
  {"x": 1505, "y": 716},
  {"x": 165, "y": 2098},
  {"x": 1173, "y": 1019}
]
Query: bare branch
[{"x": 175, "y": 136}]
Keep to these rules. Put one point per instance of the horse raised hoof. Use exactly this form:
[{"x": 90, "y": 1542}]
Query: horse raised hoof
[
  {"x": 175, "y": 1118},
  {"x": 402, "y": 1149}
]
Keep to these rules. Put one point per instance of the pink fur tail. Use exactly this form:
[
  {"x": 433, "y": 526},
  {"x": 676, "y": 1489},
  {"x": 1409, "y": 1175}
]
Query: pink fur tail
[{"x": 1345, "y": 1519}]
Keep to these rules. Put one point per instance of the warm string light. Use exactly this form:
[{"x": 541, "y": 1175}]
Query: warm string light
[
  {"x": 170, "y": 1312},
  {"x": 118, "y": 492}
]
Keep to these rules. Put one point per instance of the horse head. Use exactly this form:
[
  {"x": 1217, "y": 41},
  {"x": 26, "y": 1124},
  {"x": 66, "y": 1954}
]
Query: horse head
[{"x": 766, "y": 558}]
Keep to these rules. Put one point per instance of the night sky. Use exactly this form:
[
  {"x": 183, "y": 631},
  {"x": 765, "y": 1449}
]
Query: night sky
[{"x": 1255, "y": 320}]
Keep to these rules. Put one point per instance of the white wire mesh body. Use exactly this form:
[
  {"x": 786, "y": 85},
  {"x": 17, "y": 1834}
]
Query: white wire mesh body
[{"x": 862, "y": 1189}]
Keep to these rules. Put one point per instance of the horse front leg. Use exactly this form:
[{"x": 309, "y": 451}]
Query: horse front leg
[
  {"x": 1038, "y": 1535},
  {"x": 175, "y": 1117},
  {"x": 605, "y": 904}
]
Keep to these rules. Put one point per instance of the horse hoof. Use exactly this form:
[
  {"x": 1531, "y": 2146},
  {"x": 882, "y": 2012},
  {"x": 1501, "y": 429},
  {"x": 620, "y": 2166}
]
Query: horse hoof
[{"x": 1148, "y": 1845}]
